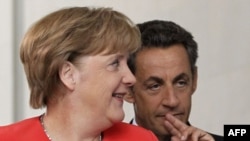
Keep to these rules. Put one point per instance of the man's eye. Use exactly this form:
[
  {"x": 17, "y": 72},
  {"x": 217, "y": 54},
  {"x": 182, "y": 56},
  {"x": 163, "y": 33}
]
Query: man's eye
[
  {"x": 181, "y": 83},
  {"x": 154, "y": 87}
]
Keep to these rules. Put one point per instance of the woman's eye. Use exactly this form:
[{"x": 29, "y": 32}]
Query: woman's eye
[
  {"x": 114, "y": 66},
  {"x": 116, "y": 63}
]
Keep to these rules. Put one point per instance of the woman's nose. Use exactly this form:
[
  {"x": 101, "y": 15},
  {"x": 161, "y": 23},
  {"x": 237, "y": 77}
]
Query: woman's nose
[{"x": 129, "y": 78}]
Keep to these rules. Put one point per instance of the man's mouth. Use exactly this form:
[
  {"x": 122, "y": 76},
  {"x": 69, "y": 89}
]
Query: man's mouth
[{"x": 174, "y": 114}]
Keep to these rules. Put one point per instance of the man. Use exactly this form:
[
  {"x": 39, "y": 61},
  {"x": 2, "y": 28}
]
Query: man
[{"x": 166, "y": 73}]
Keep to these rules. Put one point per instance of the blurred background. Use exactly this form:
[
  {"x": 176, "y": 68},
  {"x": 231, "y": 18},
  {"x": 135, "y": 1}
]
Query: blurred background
[{"x": 221, "y": 28}]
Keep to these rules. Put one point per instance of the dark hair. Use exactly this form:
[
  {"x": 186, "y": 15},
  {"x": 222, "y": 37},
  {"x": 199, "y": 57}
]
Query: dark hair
[{"x": 163, "y": 34}]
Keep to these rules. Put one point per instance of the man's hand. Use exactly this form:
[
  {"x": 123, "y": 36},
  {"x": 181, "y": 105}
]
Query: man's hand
[{"x": 182, "y": 132}]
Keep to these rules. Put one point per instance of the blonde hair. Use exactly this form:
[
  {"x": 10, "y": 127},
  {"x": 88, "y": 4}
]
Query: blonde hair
[{"x": 67, "y": 34}]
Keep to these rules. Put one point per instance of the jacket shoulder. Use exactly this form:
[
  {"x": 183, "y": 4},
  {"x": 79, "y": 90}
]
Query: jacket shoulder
[
  {"x": 23, "y": 130},
  {"x": 123, "y": 132}
]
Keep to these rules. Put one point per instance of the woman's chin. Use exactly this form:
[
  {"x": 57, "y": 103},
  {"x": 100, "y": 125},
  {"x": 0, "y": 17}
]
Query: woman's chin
[{"x": 118, "y": 117}]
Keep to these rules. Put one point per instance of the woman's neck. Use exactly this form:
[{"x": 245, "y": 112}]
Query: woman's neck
[{"x": 65, "y": 126}]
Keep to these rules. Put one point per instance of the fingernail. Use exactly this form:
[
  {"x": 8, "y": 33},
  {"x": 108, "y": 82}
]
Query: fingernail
[{"x": 183, "y": 138}]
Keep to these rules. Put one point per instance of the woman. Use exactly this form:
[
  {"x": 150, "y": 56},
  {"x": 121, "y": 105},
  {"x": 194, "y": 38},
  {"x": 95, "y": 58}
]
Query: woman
[{"x": 75, "y": 60}]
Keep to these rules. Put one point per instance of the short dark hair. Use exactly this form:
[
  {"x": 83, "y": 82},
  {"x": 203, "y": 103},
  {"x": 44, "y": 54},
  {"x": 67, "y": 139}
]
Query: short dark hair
[{"x": 162, "y": 34}]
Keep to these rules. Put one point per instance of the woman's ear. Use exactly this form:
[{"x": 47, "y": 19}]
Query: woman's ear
[
  {"x": 129, "y": 97},
  {"x": 66, "y": 74}
]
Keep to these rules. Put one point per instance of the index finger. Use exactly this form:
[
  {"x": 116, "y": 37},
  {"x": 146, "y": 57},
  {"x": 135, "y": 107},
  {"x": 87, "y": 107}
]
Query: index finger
[{"x": 178, "y": 124}]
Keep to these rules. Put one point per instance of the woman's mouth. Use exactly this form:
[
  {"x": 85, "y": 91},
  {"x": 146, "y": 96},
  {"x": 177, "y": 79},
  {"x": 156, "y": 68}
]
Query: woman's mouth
[{"x": 118, "y": 96}]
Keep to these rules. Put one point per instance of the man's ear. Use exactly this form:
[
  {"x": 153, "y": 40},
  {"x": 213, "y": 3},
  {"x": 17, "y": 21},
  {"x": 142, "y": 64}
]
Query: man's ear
[
  {"x": 129, "y": 97},
  {"x": 195, "y": 79},
  {"x": 66, "y": 74}
]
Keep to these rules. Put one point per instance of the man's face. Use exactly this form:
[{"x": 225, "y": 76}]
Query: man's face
[{"x": 164, "y": 84}]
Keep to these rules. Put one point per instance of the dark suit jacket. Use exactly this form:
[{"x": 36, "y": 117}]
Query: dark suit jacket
[{"x": 216, "y": 137}]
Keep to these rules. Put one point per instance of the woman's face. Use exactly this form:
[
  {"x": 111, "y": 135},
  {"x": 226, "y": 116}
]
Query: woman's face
[{"x": 101, "y": 83}]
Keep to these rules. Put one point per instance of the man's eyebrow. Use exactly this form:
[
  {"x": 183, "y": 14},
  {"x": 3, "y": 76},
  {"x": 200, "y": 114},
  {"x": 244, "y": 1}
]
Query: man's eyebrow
[
  {"x": 181, "y": 76},
  {"x": 155, "y": 79}
]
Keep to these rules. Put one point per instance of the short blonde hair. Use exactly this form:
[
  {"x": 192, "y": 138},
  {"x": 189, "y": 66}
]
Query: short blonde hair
[{"x": 66, "y": 34}]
